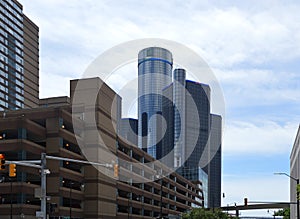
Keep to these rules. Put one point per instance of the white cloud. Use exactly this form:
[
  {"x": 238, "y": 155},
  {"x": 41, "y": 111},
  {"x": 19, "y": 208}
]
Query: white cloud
[
  {"x": 224, "y": 36},
  {"x": 259, "y": 87},
  {"x": 258, "y": 137}
]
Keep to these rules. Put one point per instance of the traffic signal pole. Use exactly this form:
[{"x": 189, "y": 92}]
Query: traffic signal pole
[
  {"x": 43, "y": 186},
  {"x": 44, "y": 172}
]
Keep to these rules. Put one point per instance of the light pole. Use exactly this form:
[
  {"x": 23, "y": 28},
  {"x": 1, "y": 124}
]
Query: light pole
[
  {"x": 297, "y": 193},
  {"x": 71, "y": 184},
  {"x": 11, "y": 202},
  {"x": 159, "y": 175}
]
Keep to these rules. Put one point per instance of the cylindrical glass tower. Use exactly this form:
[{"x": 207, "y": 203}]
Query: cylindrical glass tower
[
  {"x": 179, "y": 116},
  {"x": 155, "y": 73}
]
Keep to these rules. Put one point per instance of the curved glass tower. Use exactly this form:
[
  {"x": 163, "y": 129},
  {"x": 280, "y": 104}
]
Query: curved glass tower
[{"x": 155, "y": 73}]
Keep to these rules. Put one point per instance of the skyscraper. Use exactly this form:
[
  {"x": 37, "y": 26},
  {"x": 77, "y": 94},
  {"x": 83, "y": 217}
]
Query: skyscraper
[
  {"x": 193, "y": 133},
  {"x": 19, "y": 54},
  {"x": 155, "y": 73}
]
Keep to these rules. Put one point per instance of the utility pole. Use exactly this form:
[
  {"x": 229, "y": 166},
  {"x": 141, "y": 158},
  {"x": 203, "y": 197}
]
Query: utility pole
[
  {"x": 44, "y": 172},
  {"x": 43, "y": 186},
  {"x": 297, "y": 192},
  {"x": 11, "y": 203}
]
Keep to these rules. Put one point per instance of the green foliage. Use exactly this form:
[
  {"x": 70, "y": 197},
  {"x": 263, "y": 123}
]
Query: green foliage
[
  {"x": 298, "y": 191},
  {"x": 200, "y": 213},
  {"x": 284, "y": 212}
]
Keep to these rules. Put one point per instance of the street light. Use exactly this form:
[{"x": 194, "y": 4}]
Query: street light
[
  {"x": 71, "y": 185},
  {"x": 297, "y": 193}
]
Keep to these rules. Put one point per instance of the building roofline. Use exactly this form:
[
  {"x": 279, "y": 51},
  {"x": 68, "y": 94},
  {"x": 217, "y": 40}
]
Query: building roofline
[{"x": 31, "y": 22}]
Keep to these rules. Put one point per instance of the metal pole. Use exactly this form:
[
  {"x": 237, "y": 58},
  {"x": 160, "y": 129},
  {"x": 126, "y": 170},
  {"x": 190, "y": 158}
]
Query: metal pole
[
  {"x": 297, "y": 193},
  {"x": 43, "y": 186},
  {"x": 161, "y": 183},
  {"x": 71, "y": 184},
  {"x": 11, "y": 205}
]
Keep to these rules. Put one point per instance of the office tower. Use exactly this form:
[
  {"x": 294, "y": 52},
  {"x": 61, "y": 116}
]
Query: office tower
[
  {"x": 215, "y": 164},
  {"x": 189, "y": 121},
  {"x": 129, "y": 130},
  {"x": 19, "y": 54},
  {"x": 154, "y": 71},
  {"x": 188, "y": 130}
]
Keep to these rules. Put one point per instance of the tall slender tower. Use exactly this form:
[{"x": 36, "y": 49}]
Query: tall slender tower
[
  {"x": 155, "y": 73},
  {"x": 179, "y": 116}
]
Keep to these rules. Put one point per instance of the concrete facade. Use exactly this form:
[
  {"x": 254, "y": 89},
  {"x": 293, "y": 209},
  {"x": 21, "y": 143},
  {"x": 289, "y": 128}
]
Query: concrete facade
[
  {"x": 295, "y": 172},
  {"x": 84, "y": 191}
]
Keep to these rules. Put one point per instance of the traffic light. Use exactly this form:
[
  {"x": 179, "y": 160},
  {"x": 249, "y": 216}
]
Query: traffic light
[
  {"x": 2, "y": 162},
  {"x": 12, "y": 170},
  {"x": 246, "y": 201},
  {"x": 116, "y": 170}
]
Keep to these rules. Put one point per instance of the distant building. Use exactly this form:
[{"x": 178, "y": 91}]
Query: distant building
[
  {"x": 192, "y": 141},
  {"x": 19, "y": 58},
  {"x": 155, "y": 73},
  {"x": 129, "y": 130},
  {"x": 295, "y": 172}
]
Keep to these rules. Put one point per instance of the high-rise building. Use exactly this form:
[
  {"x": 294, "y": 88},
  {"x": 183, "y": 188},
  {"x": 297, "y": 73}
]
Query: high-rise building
[
  {"x": 193, "y": 135},
  {"x": 19, "y": 58},
  {"x": 186, "y": 109},
  {"x": 129, "y": 130},
  {"x": 155, "y": 73}
]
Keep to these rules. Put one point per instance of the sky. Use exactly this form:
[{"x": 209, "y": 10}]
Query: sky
[{"x": 253, "y": 48}]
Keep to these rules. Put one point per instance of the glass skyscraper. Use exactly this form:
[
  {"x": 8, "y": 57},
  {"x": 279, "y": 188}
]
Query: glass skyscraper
[
  {"x": 193, "y": 133},
  {"x": 155, "y": 73},
  {"x": 19, "y": 54}
]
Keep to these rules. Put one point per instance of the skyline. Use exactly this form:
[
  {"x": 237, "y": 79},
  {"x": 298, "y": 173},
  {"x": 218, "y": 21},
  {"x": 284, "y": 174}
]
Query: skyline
[{"x": 253, "y": 51}]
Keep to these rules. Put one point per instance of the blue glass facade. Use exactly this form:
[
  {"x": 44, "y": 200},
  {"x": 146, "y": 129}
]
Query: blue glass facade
[
  {"x": 155, "y": 73},
  {"x": 194, "y": 134}
]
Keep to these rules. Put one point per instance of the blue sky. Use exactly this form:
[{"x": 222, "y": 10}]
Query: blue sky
[{"x": 253, "y": 48}]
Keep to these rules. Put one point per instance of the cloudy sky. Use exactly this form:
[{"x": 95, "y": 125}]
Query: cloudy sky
[{"x": 253, "y": 48}]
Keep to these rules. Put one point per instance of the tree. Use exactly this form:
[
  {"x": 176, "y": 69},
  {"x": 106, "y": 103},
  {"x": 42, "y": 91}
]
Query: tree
[
  {"x": 201, "y": 213},
  {"x": 283, "y": 212}
]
